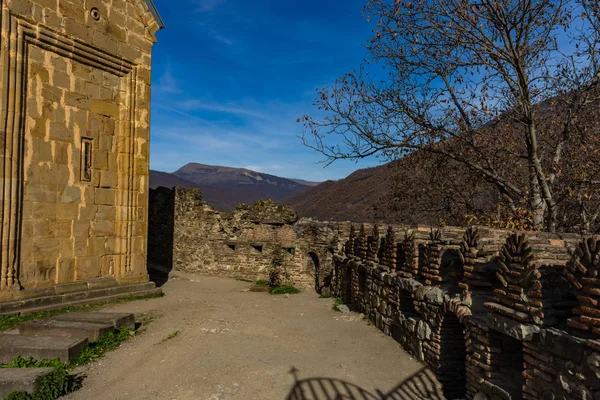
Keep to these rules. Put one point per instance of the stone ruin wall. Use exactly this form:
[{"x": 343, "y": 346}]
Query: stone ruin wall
[
  {"x": 75, "y": 94},
  {"x": 496, "y": 314},
  {"x": 188, "y": 235}
]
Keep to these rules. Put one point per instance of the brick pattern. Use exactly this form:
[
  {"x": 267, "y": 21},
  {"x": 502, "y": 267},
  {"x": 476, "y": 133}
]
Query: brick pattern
[{"x": 507, "y": 349}]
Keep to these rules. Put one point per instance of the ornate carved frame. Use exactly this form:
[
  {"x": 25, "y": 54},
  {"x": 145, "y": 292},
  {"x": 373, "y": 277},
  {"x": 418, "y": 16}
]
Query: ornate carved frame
[{"x": 17, "y": 34}]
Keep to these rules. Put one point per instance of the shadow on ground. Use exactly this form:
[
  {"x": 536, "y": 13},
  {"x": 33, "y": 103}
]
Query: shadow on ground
[{"x": 421, "y": 385}]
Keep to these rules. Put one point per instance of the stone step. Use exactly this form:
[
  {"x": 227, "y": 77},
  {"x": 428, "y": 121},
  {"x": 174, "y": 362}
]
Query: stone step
[
  {"x": 21, "y": 380},
  {"x": 85, "y": 330},
  {"x": 39, "y": 347},
  {"x": 31, "y": 297},
  {"x": 115, "y": 320},
  {"x": 77, "y": 298},
  {"x": 96, "y": 300}
]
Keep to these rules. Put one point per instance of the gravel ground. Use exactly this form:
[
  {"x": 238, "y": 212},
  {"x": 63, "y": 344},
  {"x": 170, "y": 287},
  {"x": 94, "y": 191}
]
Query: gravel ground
[{"x": 234, "y": 344}]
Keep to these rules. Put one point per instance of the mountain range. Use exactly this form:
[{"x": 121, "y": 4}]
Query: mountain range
[{"x": 225, "y": 187}]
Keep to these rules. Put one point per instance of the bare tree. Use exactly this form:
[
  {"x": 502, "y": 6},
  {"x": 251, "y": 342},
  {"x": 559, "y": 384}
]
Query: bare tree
[{"x": 474, "y": 82}]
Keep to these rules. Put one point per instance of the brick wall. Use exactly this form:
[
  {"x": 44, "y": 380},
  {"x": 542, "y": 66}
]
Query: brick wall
[{"x": 508, "y": 315}]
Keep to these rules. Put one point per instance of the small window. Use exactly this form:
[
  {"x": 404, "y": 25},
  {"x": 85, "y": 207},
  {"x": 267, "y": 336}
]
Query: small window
[
  {"x": 231, "y": 246},
  {"x": 86, "y": 159},
  {"x": 257, "y": 247},
  {"x": 291, "y": 250}
]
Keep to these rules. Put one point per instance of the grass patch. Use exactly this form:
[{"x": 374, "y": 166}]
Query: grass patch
[
  {"x": 109, "y": 342},
  {"x": 283, "y": 290},
  {"x": 244, "y": 280},
  {"x": 60, "y": 382},
  {"x": 261, "y": 282},
  {"x": 11, "y": 321},
  {"x": 325, "y": 296},
  {"x": 171, "y": 336},
  {"x": 54, "y": 385},
  {"x": 338, "y": 302}
]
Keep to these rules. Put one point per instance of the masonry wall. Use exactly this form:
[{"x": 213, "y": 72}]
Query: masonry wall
[
  {"x": 512, "y": 316},
  {"x": 74, "y": 106},
  {"x": 237, "y": 245}
]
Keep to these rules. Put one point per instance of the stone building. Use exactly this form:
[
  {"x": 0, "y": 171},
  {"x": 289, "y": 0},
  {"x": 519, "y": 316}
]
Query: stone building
[{"x": 74, "y": 104}]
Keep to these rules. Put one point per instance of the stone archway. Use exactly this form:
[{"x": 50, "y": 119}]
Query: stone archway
[
  {"x": 313, "y": 267},
  {"x": 452, "y": 362}
]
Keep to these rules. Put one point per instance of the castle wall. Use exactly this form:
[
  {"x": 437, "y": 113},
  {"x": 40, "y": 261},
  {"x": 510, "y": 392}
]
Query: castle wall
[
  {"x": 241, "y": 244},
  {"x": 74, "y": 106},
  {"x": 496, "y": 314},
  {"x": 519, "y": 323}
]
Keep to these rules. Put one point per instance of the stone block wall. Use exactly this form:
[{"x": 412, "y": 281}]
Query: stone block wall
[
  {"x": 510, "y": 315},
  {"x": 74, "y": 105},
  {"x": 191, "y": 236}
]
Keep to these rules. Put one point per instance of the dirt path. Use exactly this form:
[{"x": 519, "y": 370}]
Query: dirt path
[{"x": 242, "y": 345}]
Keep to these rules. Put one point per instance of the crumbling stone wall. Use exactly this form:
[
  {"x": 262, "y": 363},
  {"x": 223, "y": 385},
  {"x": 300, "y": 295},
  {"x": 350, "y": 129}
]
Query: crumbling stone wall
[
  {"x": 74, "y": 108},
  {"x": 519, "y": 320},
  {"x": 496, "y": 314},
  {"x": 194, "y": 237}
]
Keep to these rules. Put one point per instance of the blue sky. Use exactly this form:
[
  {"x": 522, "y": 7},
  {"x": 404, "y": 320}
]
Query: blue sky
[{"x": 230, "y": 78}]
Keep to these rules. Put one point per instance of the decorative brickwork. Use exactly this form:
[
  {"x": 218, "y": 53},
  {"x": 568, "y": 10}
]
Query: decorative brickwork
[{"x": 506, "y": 349}]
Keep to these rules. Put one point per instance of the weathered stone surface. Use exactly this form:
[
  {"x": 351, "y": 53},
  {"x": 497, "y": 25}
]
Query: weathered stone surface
[
  {"x": 190, "y": 236},
  {"x": 91, "y": 331},
  {"x": 562, "y": 345},
  {"x": 435, "y": 296},
  {"x": 594, "y": 363},
  {"x": 116, "y": 320},
  {"x": 343, "y": 308},
  {"x": 21, "y": 380},
  {"x": 511, "y": 327},
  {"x": 39, "y": 347},
  {"x": 423, "y": 331},
  {"x": 80, "y": 177},
  {"x": 267, "y": 212}
]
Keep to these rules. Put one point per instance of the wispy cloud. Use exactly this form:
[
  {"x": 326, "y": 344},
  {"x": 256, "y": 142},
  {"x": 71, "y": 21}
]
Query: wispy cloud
[
  {"x": 222, "y": 39},
  {"x": 196, "y": 105},
  {"x": 167, "y": 82},
  {"x": 205, "y": 6}
]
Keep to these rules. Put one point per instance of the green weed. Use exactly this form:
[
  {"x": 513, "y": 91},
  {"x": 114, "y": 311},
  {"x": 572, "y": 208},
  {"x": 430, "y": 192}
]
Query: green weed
[
  {"x": 338, "y": 302},
  {"x": 60, "y": 382},
  {"x": 283, "y": 290}
]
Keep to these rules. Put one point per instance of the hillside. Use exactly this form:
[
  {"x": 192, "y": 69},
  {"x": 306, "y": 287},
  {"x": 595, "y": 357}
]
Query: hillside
[
  {"x": 362, "y": 196},
  {"x": 225, "y": 187}
]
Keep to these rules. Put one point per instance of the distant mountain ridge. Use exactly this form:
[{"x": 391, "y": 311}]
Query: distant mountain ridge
[
  {"x": 225, "y": 187},
  {"x": 361, "y": 196}
]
